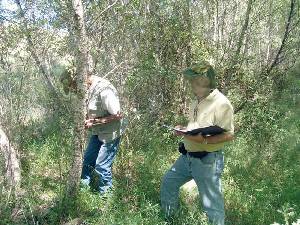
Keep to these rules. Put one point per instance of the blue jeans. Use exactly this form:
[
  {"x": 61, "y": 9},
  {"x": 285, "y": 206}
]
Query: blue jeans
[
  {"x": 99, "y": 156},
  {"x": 207, "y": 174}
]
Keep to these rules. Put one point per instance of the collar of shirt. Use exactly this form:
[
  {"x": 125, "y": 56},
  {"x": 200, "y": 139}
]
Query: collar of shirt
[{"x": 212, "y": 94}]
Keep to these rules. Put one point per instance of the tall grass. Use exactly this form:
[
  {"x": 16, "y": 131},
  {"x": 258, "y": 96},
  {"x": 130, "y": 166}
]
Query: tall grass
[{"x": 260, "y": 180}]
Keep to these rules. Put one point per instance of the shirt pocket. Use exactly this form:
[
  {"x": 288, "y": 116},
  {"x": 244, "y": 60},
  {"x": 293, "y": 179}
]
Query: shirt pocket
[{"x": 205, "y": 119}]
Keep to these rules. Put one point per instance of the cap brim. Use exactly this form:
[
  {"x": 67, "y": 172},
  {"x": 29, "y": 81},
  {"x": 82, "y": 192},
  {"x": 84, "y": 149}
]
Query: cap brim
[{"x": 189, "y": 73}]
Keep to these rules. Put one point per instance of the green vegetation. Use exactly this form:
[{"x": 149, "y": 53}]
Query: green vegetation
[{"x": 142, "y": 47}]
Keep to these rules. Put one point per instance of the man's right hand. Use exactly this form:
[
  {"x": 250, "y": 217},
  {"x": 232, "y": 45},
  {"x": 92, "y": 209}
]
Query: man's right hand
[
  {"x": 88, "y": 123},
  {"x": 179, "y": 127}
]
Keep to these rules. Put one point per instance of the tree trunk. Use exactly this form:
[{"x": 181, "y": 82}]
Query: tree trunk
[
  {"x": 243, "y": 32},
  {"x": 79, "y": 110},
  {"x": 284, "y": 39},
  {"x": 235, "y": 59},
  {"x": 182, "y": 107},
  {"x": 12, "y": 165},
  {"x": 265, "y": 73}
]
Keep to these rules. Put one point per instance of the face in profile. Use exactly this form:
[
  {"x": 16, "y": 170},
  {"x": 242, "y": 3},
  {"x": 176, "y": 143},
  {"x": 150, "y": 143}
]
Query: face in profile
[
  {"x": 89, "y": 81},
  {"x": 70, "y": 85},
  {"x": 200, "y": 86}
]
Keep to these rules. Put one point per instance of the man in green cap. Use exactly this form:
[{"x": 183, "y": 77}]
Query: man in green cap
[{"x": 202, "y": 156}]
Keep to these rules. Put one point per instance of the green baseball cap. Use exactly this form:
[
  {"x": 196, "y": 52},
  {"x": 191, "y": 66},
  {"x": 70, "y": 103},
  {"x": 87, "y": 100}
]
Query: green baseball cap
[{"x": 201, "y": 69}]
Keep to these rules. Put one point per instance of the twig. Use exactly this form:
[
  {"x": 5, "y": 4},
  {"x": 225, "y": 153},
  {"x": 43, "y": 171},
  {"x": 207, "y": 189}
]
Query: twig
[
  {"x": 277, "y": 58},
  {"x": 103, "y": 11},
  {"x": 116, "y": 67},
  {"x": 31, "y": 49},
  {"x": 284, "y": 39}
]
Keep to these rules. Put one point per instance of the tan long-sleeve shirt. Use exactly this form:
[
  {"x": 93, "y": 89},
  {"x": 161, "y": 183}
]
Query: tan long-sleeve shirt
[{"x": 214, "y": 110}]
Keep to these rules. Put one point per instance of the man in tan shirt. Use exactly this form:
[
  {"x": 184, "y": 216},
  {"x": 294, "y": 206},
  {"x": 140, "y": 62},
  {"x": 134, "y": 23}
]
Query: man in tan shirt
[{"x": 202, "y": 158}]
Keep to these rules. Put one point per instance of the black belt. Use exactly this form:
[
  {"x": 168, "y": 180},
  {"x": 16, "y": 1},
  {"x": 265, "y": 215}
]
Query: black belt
[{"x": 198, "y": 155}]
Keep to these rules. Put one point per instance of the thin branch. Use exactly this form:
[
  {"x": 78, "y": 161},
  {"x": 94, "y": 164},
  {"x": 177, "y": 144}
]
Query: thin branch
[
  {"x": 101, "y": 13},
  {"x": 41, "y": 66},
  {"x": 278, "y": 58},
  {"x": 116, "y": 67},
  {"x": 243, "y": 31},
  {"x": 235, "y": 60},
  {"x": 284, "y": 39}
]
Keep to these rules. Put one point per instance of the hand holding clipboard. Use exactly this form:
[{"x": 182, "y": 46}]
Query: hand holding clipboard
[{"x": 205, "y": 131}]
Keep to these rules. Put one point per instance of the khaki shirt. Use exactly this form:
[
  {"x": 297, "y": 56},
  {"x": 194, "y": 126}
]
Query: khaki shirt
[{"x": 214, "y": 110}]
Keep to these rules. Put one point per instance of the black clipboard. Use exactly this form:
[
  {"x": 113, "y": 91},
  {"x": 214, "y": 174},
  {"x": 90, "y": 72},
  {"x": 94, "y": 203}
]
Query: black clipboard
[{"x": 205, "y": 131}]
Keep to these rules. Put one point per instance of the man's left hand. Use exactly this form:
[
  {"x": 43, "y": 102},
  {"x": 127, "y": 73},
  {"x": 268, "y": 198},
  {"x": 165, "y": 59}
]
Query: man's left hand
[{"x": 197, "y": 138}]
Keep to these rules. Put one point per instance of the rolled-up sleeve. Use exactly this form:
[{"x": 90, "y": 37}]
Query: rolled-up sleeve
[{"x": 225, "y": 118}]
